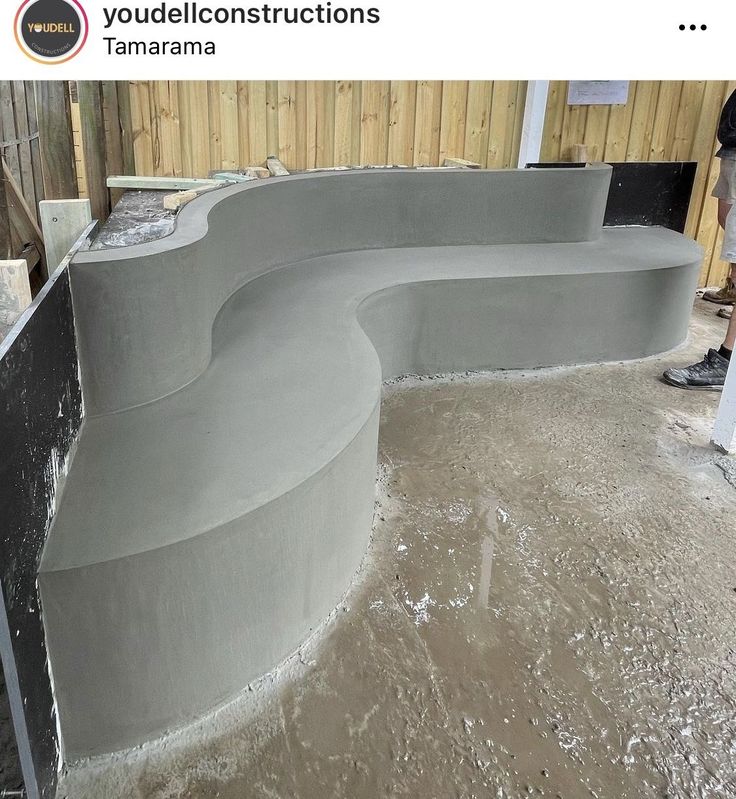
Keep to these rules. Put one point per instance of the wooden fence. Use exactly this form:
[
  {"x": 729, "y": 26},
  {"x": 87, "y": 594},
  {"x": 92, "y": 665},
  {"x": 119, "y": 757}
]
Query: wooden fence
[
  {"x": 190, "y": 128},
  {"x": 35, "y": 145},
  {"x": 19, "y": 139},
  {"x": 21, "y": 184},
  {"x": 662, "y": 121}
]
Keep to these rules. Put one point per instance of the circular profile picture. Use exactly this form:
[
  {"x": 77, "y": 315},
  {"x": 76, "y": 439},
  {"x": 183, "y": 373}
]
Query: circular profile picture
[{"x": 51, "y": 31}]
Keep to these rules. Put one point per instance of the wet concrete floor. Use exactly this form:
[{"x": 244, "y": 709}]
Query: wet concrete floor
[{"x": 548, "y": 609}]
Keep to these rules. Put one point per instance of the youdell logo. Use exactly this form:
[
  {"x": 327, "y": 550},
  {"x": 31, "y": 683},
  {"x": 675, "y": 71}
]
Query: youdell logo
[{"x": 51, "y": 31}]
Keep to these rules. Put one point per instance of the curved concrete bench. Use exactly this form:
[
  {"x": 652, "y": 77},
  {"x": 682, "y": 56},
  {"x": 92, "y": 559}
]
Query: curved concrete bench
[{"x": 221, "y": 496}]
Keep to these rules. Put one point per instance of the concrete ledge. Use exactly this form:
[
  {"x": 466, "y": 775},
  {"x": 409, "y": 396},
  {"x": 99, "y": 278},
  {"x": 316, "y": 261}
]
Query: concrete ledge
[{"x": 221, "y": 496}]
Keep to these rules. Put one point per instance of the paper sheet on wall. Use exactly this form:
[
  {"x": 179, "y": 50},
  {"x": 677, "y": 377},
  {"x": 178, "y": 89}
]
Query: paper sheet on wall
[{"x": 598, "y": 92}]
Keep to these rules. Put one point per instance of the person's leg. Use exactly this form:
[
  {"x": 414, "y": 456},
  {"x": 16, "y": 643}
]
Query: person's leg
[
  {"x": 730, "y": 339},
  {"x": 710, "y": 373},
  {"x": 724, "y": 207},
  {"x": 729, "y": 254},
  {"x": 723, "y": 190}
]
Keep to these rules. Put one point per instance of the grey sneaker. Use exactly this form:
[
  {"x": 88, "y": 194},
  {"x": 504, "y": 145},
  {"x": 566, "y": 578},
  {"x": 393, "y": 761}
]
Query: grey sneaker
[
  {"x": 707, "y": 375},
  {"x": 725, "y": 313}
]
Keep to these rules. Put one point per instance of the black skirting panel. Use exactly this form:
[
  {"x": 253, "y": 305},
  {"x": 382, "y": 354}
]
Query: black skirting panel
[
  {"x": 40, "y": 417},
  {"x": 650, "y": 193}
]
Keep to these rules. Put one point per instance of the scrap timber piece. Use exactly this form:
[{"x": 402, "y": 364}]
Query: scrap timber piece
[
  {"x": 15, "y": 292},
  {"x": 259, "y": 172},
  {"x": 461, "y": 162},
  {"x": 173, "y": 202},
  {"x": 276, "y": 167}
]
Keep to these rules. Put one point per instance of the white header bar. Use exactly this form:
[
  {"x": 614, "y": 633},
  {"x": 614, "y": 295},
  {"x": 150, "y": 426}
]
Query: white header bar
[{"x": 378, "y": 39}]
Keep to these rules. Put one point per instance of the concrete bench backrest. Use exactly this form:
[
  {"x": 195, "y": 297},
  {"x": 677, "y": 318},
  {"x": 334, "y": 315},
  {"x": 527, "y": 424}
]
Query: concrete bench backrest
[{"x": 144, "y": 314}]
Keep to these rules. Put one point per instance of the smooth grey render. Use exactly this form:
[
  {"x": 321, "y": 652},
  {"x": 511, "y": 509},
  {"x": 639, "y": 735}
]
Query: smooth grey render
[{"x": 221, "y": 497}]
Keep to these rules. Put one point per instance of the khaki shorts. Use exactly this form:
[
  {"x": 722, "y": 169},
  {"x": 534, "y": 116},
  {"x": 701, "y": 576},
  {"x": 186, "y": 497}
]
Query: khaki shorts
[{"x": 725, "y": 189}]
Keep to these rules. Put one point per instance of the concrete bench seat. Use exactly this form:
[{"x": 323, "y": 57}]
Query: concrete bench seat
[{"x": 221, "y": 496}]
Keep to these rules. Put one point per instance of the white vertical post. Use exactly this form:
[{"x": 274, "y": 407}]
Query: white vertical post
[
  {"x": 533, "y": 126},
  {"x": 724, "y": 431},
  {"x": 62, "y": 222}
]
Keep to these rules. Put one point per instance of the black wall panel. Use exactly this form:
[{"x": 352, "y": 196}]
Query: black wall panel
[{"x": 40, "y": 417}]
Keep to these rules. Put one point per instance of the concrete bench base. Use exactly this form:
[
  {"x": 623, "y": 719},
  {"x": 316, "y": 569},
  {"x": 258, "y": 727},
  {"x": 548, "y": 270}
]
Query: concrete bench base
[{"x": 218, "y": 512}]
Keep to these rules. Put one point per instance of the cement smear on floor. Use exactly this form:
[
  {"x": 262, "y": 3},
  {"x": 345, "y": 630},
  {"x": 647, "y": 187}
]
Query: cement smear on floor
[{"x": 548, "y": 609}]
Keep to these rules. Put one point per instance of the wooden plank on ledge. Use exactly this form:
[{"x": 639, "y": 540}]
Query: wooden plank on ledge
[
  {"x": 160, "y": 183},
  {"x": 234, "y": 177}
]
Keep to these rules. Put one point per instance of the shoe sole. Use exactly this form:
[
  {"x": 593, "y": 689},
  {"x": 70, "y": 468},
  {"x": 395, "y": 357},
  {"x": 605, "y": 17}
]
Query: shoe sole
[{"x": 691, "y": 388}]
